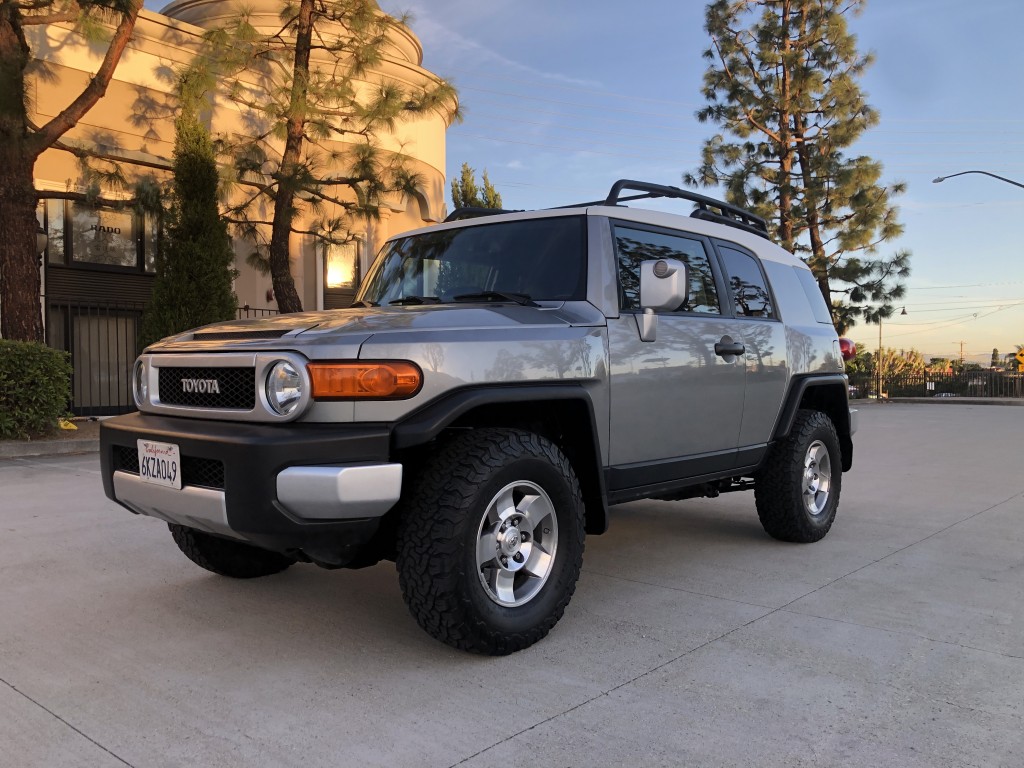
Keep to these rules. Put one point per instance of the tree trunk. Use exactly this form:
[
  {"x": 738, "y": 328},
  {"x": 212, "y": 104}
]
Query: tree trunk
[
  {"x": 818, "y": 263},
  {"x": 284, "y": 200},
  {"x": 785, "y": 148},
  {"x": 20, "y": 316}
]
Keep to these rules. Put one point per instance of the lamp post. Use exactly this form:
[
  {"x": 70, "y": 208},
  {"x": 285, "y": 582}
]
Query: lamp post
[
  {"x": 940, "y": 179},
  {"x": 878, "y": 362}
]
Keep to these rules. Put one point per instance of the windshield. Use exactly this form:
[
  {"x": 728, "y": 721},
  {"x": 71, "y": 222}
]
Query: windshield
[{"x": 528, "y": 260}]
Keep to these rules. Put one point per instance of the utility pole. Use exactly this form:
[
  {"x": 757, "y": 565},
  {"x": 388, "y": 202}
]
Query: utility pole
[{"x": 961, "y": 343}]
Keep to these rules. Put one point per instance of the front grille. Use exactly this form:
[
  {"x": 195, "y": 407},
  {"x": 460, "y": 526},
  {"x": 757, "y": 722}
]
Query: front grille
[
  {"x": 126, "y": 459},
  {"x": 235, "y": 387},
  {"x": 207, "y": 473},
  {"x": 238, "y": 335}
]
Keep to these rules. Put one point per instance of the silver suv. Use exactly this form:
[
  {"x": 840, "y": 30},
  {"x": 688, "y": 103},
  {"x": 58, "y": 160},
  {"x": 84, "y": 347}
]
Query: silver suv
[{"x": 501, "y": 381}]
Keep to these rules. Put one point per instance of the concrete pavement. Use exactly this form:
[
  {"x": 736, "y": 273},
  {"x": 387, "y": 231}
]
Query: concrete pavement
[{"x": 693, "y": 639}]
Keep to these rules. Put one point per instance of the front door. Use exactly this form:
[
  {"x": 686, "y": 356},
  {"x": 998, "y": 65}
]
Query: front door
[{"x": 676, "y": 402}]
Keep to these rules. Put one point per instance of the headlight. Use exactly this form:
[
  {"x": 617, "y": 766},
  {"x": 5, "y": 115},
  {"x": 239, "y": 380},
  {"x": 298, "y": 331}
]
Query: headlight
[
  {"x": 140, "y": 383},
  {"x": 284, "y": 388}
]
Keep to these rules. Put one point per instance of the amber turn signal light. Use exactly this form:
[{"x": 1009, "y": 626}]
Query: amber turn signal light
[{"x": 365, "y": 380}]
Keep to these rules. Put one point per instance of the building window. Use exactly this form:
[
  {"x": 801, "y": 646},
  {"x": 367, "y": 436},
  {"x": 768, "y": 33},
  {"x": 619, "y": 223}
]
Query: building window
[
  {"x": 103, "y": 236},
  {"x": 341, "y": 266},
  {"x": 84, "y": 235},
  {"x": 55, "y": 231}
]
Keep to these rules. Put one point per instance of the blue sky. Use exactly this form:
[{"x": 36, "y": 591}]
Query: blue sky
[{"x": 562, "y": 98}]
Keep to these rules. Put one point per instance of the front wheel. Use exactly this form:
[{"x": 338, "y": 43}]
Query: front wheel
[
  {"x": 796, "y": 491},
  {"x": 490, "y": 540}
]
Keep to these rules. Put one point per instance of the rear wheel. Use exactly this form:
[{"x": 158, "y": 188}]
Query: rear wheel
[
  {"x": 796, "y": 491},
  {"x": 490, "y": 540},
  {"x": 225, "y": 557}
]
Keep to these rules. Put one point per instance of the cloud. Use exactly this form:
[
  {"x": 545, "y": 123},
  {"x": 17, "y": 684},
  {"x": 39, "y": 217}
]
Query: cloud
[
  {"x": 515, "y": 165},
  {"x": 448, "y": 47}
]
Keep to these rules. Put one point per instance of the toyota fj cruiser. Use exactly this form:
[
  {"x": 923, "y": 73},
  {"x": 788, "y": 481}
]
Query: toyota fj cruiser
[{"x": 499, "y": 383}]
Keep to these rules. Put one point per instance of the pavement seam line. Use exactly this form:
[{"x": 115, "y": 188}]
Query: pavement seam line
[
  {"x": 905, "y": 633},
  {"x": 614, "y": 688},
  {"x": 677, "y": 589},
  {"x": 903, "y": 549},
  {"x": 781, "y": 608},
  {"x": 40, "y": 465},
  {"x": 69, "y": 725}
]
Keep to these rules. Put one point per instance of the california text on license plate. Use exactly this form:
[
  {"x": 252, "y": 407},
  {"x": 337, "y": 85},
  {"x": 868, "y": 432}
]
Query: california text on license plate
[{"x": 160, "y": 463}]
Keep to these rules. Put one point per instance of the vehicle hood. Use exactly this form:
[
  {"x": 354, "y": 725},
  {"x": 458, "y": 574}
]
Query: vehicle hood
[{"x": 359, "y": 323}]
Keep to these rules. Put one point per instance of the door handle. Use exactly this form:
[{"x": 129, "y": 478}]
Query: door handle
[{"x": 729, "y": 347}]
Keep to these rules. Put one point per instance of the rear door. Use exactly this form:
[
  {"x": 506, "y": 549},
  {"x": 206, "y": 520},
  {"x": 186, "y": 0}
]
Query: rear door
[{"x": 763, "y": 334}]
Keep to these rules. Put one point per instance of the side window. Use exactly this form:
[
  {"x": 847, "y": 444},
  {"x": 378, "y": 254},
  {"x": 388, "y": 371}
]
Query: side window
[
  {"x": 746, "y": 283},
  {"x": 633, "y": 246}
]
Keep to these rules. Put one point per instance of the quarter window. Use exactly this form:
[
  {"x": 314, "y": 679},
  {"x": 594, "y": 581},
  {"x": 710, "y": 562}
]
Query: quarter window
[
  {"x": 634, "y": 246},
  {"x": 746, "y": 283}
]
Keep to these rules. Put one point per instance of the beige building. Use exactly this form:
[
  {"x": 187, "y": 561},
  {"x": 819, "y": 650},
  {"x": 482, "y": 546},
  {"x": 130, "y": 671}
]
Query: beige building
[{"x": 98, "y": 266}]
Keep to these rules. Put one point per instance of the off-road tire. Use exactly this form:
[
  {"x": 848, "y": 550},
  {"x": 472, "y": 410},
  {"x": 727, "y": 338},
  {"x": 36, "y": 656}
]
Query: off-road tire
[
  {"x": 782, "y": 487},
  {"x": 445, "y": 509},
  {"x": 225, "y": 557}
]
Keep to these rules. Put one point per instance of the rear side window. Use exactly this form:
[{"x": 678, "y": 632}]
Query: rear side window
[
  {"x": 746, "y": 284},
  {"x": 633, "y": 246},
  {"x": 814, "y": 297}
]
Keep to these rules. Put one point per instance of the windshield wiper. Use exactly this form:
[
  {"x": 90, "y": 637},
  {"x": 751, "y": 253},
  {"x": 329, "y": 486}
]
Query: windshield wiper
[
  {"x": 416, "y": 300},
  {"x": 364, "y": 303},
  {"x": 519, "y": 298}
]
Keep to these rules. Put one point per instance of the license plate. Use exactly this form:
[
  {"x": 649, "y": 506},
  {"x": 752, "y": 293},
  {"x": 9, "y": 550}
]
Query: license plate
[{"x": 160, "y": 463}]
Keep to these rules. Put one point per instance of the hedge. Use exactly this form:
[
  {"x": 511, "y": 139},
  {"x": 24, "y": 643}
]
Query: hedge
[{"x": 35, "y": 388}]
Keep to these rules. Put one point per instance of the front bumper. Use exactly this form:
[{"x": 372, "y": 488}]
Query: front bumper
[{"x": 316, "y": 491}]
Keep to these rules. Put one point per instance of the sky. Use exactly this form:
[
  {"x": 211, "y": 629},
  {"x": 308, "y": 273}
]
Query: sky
[{"x": 563, "y": 98}]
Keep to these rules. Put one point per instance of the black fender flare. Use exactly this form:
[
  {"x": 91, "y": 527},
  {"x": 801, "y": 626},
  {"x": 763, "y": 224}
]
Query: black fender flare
[
  {"x": 839, "y": 411},
  {"x": 429, "y": 421}
]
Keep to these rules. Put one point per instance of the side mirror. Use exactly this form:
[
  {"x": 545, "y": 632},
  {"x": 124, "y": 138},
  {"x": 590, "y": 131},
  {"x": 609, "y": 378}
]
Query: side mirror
[{"x": 664, "y": 285}]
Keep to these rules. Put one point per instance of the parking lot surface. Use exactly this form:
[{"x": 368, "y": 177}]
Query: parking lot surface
[{"x": 693, "y": 638}]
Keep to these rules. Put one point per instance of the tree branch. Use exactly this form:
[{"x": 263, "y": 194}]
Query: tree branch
[{"x": 96, "y": 88}]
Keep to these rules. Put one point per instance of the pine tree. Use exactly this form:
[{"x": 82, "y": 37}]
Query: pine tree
[
  {"x": 22, "y": 142},
  {"x": 782, "y": 85},
  {"x": 194, "y": 267},
  {"x": 466, "y": 193},
  {"x": 309, "y": 98}
]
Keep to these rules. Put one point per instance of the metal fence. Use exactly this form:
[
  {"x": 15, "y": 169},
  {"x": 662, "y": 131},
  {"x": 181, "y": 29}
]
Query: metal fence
[
  {"x": 103, "y": 341},
  {"x": 247, "y": 312},
  {"x": 966, "y": 384}
]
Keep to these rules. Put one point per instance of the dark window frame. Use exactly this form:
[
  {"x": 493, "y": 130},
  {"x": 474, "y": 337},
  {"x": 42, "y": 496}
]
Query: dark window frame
[
  {"x": 776, "y": 316},
  {"x": 714, "y": 263},
  {"x": 139, "y": 236}
]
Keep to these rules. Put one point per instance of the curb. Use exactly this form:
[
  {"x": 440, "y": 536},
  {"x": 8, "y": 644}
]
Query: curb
[
  {"x": 21, "y": 450},
  {"x": 1010, "y": 401}
]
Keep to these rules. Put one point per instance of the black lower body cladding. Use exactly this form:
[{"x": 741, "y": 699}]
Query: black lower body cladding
[{"x": 251, "y": 456}]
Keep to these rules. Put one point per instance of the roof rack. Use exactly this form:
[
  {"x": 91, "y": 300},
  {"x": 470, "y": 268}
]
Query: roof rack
[
  {"x": 475, "y": 211},
  {"x": 708, "y": 209}
]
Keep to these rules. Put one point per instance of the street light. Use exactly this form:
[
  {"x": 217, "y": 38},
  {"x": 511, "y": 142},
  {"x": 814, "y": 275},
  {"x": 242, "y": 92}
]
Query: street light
[
  {"x": 940, "y": 179},
  {"x": 878, "y": 362}
]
